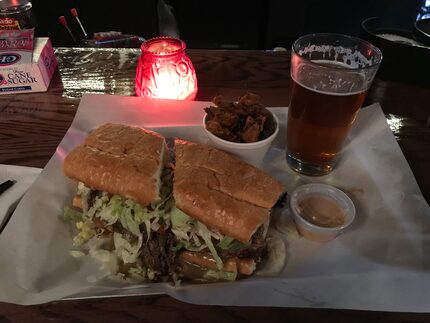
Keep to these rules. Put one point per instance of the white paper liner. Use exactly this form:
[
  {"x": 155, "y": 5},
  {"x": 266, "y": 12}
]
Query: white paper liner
[
  {"x": 381, "y": 263},
  {"x": 23, "y": 177}
]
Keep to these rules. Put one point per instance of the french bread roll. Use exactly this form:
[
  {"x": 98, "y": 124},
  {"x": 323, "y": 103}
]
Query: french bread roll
[
  {"x": 121, "y": 160},
  {"x": 222, "y": 191}
]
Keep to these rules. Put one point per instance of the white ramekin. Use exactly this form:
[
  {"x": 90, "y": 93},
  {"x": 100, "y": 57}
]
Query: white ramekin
[{"x": 252, "y": 153}]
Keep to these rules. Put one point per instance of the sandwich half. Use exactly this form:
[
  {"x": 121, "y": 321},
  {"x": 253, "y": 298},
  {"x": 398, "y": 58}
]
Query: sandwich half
[
  {"x": 146, "y": 217},
  {"x": 231, "y": 200},
  {"x": 121, "y": 197}
]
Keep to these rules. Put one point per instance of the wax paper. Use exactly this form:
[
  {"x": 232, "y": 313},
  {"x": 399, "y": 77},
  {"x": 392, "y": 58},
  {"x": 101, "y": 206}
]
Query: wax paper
[
  {"x": 23, "y": 177},
  {"x": 380, "y": 263}
]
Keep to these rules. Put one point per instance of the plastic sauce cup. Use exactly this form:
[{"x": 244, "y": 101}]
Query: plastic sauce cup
[{"x": 304, "y": 206}]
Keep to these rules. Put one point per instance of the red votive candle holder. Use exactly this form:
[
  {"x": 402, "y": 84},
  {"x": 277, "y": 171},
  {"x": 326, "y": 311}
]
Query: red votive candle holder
[{"x": 165, "y": 71}]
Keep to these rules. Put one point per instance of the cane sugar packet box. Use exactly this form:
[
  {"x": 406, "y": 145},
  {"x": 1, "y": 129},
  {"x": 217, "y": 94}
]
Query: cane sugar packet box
[{"x": 34, "y": 76}]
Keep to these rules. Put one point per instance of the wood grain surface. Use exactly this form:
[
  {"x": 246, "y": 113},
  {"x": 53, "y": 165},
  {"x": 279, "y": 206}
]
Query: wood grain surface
[{"x": 32, "y": 125}]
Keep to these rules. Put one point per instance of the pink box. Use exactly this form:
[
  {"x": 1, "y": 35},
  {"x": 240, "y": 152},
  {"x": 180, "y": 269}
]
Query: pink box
[
  {"x": 16, "y": 46},
  {"x": 18, "y": 77}
]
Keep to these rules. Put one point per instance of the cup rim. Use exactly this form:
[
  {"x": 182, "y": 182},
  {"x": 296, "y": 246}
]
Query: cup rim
[
  {"x": 148, "y": 42},
  {"x": 356, "y": 39},
  {"x": 350, "y": 216},
  {"x": 245, "y": 145}
]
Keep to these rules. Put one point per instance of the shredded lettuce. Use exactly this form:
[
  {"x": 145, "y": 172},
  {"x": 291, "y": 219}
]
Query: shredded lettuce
[
  {"x": 196, "y": 240},
  {"x": 180, "y": 220},
  {"x": 181, "y": 235},
  {"x": 125, "y": 250},
  {"x": 85, "y": 193},
  {"x": 178, "y": 246},
  {"x": 72, "y": 215},
  {"x": 224, "y": 244},
  {"x": 189, "y": 246},
  {"x": 205, "y": 233},
  {"x": 150, "y": 273},
  {"x": 142, "y": 215},
  {"x": 98, "y": 242},
  {"x": 86, "y": 232},
  {"x": 229, "y": 243},
  {"x": 184, "y": 226},
  {"x": 126, "y": 211},
  {"x": 129, "y": 213},
  {"x": 99, "y": 203},
  {"x": 220, "y": 275},
  {"x": 107, "y": 259},
  {"x": 128, "y": 222},
  {"x": 192, "y": 247},
  {"x": 76, "y": 253},
  {"x": 137, "y": 273},
  {"x": 82, "y": 189},
  {"x": 188, "y": 231},
  {"x": 109, "y": 212},
  {"x": 181, "y": 224},
  {"x": 176, "y": 280}
]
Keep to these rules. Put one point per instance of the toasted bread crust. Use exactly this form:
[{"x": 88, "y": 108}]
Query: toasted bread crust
[
  {"x": 221, "y": 191},
  {"x": 235, "y": 177},
  {"x": 121, "y": 160},
  {"x": 77, "y": 202}
]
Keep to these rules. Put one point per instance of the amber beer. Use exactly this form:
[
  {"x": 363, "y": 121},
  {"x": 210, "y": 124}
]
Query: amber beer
[
  {"x": 331, "y": 74},
  {"x": 318, "y": 122}
]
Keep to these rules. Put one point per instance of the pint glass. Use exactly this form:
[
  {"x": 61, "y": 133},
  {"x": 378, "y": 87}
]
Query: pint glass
[{"x": 331, "y": 74}]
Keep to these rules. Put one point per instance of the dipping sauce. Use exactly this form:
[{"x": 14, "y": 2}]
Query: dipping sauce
[{"x": 322, "y": 211}]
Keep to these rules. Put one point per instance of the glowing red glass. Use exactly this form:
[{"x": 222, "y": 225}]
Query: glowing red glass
[{"x": 165, "y": 71}]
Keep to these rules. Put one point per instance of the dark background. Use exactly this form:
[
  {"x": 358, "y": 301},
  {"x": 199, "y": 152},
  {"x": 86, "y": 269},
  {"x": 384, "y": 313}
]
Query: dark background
[{"x": 238, "y": 24}]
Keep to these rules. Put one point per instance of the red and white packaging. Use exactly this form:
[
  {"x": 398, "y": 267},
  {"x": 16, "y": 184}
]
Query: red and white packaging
[{"x": 16, "y": 46}]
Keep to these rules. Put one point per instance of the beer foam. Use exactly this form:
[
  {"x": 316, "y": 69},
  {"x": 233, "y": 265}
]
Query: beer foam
[
  {"x": 337, "y": 78},
  {"x": 334, "y": 69},
  {"x": 332, "y": 63},
  {"x": 320, "y": 90},
  {"x": 351, "y": 57}
]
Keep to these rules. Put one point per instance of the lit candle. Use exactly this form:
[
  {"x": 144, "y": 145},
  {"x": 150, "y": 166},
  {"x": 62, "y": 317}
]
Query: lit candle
[
  {"x": 165, "y": 71},
  {"x": 162, "y": 47}
]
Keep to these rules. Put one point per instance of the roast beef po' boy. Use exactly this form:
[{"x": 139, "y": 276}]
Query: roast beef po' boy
[{"x": 204, "y": 218}]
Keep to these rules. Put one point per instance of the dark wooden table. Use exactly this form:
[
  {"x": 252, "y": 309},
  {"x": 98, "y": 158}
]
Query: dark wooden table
[{"x": 32, "y": 125}]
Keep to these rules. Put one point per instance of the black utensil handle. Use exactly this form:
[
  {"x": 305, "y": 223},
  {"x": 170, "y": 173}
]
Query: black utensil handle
[{"x": 6, "y": 185}]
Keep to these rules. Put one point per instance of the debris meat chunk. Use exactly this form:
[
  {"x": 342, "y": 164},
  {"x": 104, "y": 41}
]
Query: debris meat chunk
[
  {"x": 245, "y": 120},
  {"x": 252, "y": 130}
]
